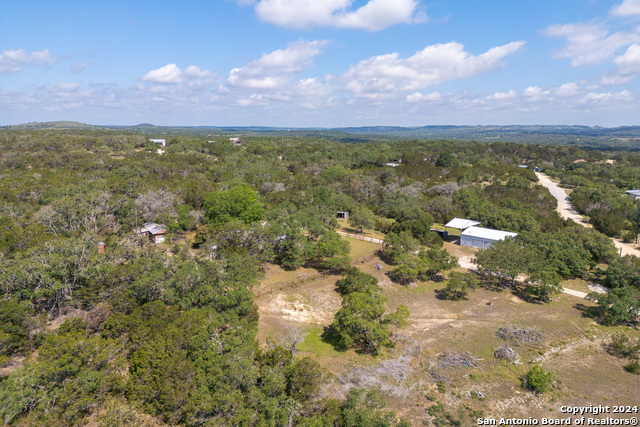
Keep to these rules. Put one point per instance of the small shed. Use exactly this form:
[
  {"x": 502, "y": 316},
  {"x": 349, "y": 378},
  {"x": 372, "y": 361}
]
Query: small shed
[
  {"x": 480, "y": 237},
  {"x": 155, "y": 232},
  {"x": 342, "y": 215},
  {"x": 159, "y": 141}
]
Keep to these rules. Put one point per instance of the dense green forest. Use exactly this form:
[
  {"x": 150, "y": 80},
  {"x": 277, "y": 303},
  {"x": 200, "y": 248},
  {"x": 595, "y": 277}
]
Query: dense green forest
[{"x": 169, "y": 331}]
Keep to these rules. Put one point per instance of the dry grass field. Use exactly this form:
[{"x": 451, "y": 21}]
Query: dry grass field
[{"x": 427, "y": 365}]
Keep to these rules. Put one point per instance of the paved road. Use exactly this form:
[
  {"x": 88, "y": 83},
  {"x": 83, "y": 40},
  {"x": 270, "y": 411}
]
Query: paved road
[{"x": 566, "y": 210}]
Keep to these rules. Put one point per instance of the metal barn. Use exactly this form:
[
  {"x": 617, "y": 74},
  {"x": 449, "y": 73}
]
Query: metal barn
[{"x": 480, "y": 237}]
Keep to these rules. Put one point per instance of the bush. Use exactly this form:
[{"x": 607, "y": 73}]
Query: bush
[
  {"x": 628, "y": 237},
  {"x": 633, "y": 367},
  {"x": 538, "y": 380},
  {"x": 622, "y": 346}
]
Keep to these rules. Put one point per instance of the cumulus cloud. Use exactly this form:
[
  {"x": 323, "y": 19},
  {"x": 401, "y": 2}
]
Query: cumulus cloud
[
  {"x": 504, "y": 96},
  {"x": 418, "y": 97},
  {"x": 278, "y": 70},
  {"x": 628, "y": 67},
  {"x": 191, "y": 77},
  {"x": 386, "y": 74},
  {"x": 590, "y": 43},
  {"x": 626, "y": 8},
  {"x": 12, "y": 61},
  {"x": 375, "y": 15},
  {"x": 170, "y": 73}
]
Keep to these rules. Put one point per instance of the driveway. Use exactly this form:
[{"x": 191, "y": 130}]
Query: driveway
[{"x": 566, "y": 211}]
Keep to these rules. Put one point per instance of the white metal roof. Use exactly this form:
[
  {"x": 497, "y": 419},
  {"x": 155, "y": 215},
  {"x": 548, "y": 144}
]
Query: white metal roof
[
  {"x": 487, "y": 233},
  {"x": 461, "y": 223},
  {"x": 634, "y": 192}
]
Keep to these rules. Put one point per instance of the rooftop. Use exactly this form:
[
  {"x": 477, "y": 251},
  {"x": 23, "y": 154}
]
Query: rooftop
[
  {"x": 487, "y": 233},
  {"x": 461, "y": 223},
  {"x": 153, "y": 228}
]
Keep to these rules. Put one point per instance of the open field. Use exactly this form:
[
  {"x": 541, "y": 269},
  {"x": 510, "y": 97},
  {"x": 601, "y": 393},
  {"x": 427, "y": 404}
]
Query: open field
[{"x": 408, "y": 374}]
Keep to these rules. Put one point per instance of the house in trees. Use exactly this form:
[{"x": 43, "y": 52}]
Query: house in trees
[
  {"x": 159, "y": 142},
  {"x": 155, "y": 232},
  {"x": 236, "y": 141},
  {"x": 480, "y": 237},
  {"x": 342, "y": 215}
]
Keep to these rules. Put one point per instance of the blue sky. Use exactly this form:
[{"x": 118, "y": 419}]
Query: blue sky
[{"x": 321, "y": 63}]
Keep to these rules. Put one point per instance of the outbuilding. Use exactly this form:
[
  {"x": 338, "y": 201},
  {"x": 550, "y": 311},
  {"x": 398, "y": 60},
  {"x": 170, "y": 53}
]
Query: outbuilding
[
  {"x": 155, "y": 232},
  {"x": 480, "y": 237},
  {"x": 342, "y": 215}
]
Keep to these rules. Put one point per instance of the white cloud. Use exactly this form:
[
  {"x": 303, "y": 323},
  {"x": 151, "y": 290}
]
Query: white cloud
[
  {"x": 12, "y": 61},
  {"x": 305, "y": 14},
  {"x": 567, "y": 89},
  {"x": 606, "y": 97},
  {"x": 192, "y": 78},
  {"x": 591, "y": 43},
  {"x": 277, "y": 70},
  {"x": 170, "y": 73},
  {"x": 628, "y": 67},
  {"x": 417, "y": 97},
  {"x": 387, "y": 74},
  {"x": 626, "y": 8},
  {"x": 504, "y": 96}
]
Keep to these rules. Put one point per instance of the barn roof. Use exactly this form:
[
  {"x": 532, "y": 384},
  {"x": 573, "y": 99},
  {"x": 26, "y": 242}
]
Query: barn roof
[
  {"x": 487, "y": 233},
  {"x": 635, "y": 193},
  {"x": 461, "y": 223}
]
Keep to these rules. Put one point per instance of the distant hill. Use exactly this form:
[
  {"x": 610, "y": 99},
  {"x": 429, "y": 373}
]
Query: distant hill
[
  {"x": 624, "y": 137},
  {"x": 51, "y": 125}
]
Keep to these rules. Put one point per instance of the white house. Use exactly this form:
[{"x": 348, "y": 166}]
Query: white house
[
  {"x": 159, "y": 141},
  {"x": 480, "y": 237}
]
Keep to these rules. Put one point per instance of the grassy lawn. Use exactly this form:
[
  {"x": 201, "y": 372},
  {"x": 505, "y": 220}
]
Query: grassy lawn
[{"x": 361, "y": 248}]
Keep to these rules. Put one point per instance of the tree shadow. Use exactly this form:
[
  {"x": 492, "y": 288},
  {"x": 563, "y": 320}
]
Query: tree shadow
[
  {"x": 588, "y": 312},
  {"x": 526, "y": 293},
  {"x": 491, "y": 283},
  {"x": 329, "y": 336},
  {"x": 446, "y": 295}
]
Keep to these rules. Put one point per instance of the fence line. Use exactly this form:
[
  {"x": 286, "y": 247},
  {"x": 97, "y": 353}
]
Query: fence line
[
  {"x": 307, "y": 279},
  {"x": 361, "y": 237}
]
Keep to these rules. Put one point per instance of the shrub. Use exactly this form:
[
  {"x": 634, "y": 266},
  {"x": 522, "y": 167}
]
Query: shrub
[
  {"x": 633, "y": 367},
  {"x": 538, "y": 380}
]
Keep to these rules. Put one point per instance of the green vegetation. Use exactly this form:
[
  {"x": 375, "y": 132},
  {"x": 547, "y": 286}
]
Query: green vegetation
[
  {"x": 538, "y": 380},
  {"x": 167, "y": 332},
  {"x": 361, "y": 321}
]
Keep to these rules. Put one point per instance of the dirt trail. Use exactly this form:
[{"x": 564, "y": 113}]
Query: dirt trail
[{"x": 566, "y": 210}]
